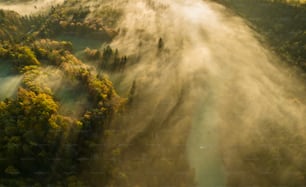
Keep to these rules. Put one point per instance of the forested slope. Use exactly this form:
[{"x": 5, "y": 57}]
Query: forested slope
[
  {"x": 282, "y": 25},
  {"x": 46, "y": 137}
]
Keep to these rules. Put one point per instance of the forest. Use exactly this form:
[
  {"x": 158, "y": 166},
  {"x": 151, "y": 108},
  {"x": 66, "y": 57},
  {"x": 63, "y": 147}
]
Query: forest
[
  {"x": 49, "y": 139},
  {"x": 39, "y": 133}
]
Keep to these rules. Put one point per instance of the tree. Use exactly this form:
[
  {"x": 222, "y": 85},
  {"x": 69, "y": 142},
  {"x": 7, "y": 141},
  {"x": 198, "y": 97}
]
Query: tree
[{"x": 160, "y": 44}]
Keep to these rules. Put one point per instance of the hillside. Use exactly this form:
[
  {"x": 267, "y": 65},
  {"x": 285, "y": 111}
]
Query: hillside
[{"x": 282, "y": 26}]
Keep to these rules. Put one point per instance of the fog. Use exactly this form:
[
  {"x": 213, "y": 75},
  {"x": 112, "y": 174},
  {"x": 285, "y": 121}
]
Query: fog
[
  {"x": 9, "y": 86},
  {"x": 9, "y": 82},
  {"x": 210, "y": 105},
  {"x": 210, "y": 102},
  {"x": 29, "y": 7}
]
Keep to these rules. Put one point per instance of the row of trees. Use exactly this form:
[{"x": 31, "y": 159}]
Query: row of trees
[
  {"x": 73, "y": 19},
  {"x": 108, "y": 59}
]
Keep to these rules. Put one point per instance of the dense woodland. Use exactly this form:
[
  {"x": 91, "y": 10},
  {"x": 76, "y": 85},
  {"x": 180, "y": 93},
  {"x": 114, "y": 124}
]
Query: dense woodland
[{"x": 38, "y": 134}]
